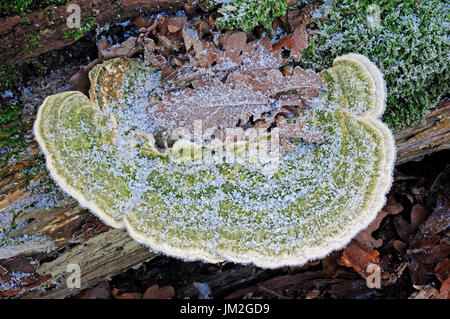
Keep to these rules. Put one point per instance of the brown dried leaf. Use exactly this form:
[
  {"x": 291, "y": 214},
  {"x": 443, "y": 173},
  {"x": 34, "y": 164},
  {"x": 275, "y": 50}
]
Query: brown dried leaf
[
  {"x": 127, "y": 48},
  {"x": 399, "y": 246},
  {"x": 442, "y": 270},
  {"x": 444, "y": 292},
  {"x": 142, "y": 22},
  {"x": 102, "y": 45},
  {"x": 422, "y": 260},
  {"x": 392, "y": 207},
  {"x": 405, "y": 229},
  {"x": 99, "y": 291},
  {"x": 190, "y": 6},
  {"x": 425, "y": 292},
  {"x": 365, "y": 236},
  {"x": 330, "y": 264},
  {"x": 174, "y": 24},
  {"x": 204, "y": 51},
  {"x": 358, "y": 256},
  {"x": 233, "y": 41},
  {"x": 313, "y": 294},
  {"x": 80, "y": 80},
  {"x": 300, "y": 16},
  {"x": 155, "y": 292},
  {"x": 202, "y": 27},
  {"x": 126, "y": 295},
  {"x": 295, "y": 42},
  {"x": 216, "y": 106}
]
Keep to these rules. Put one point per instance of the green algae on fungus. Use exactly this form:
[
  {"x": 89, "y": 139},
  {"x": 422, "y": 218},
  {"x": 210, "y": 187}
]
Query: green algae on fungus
[{"x": 314, "y": 200}]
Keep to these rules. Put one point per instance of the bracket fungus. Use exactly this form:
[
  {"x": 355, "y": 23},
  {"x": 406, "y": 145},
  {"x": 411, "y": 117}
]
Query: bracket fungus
[{"x": 313, "y": 199}]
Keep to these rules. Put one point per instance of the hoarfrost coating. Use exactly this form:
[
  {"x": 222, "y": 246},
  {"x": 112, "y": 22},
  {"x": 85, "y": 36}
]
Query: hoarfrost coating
[{"x": 317, "y": 198}]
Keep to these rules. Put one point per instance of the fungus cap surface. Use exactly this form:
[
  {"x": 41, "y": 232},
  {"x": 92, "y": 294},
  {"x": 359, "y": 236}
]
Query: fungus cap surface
[{"x": 315, "y": 199}]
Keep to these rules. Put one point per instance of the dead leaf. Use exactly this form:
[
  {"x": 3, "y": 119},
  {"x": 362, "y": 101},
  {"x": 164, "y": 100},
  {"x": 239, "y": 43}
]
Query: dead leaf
[
  {"x": 297, "y": 130},
  {"x": 155, "y": 292},
  {"x": 405, "y": 229},
  {"x": 365, "y": 236},
  {"x": 422, "y": 260},
  {"x": 126, "y": 295},
  {"x": 80, "y": 80},
  {"x": 399, "y": 246},
  {"x": 100, "y": 291},
  {"x": 392, "y": 207},
  {"x": 233, "y": 41},
  {"x": 394, "y": 276},
  {"x": 295, "y": 42},
  {"x": 311, "y": 263},
  {"x": 300, "y": 15},
  {"x": 204, "y": 50},
  {"x": 202, "y": 27},
  {"x": 444, "y": 292},
  {"x": 358, "y": 256},
  {"x": 442, "y": 270},
  {"x": 438, "y": 221},
  {"x": 175, "y": 24},
  {"x": 128, "y": 48},
  {"x": 191, "y": 6},
  {"x": 330, "y": 264},
  {"x": 142, "y": 22},
  {"x": 242, "y": 85}
]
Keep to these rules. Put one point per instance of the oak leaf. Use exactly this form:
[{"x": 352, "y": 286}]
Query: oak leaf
[{"x": 245, "y": 84}]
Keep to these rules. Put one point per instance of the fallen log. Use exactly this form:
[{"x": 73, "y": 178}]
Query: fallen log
[{"x": 63, "y": 233}]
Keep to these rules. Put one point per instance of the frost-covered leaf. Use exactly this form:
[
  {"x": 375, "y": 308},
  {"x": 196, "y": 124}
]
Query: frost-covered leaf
[{"x": 245, "y": 83}]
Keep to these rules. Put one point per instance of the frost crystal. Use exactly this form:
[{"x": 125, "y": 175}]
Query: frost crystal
[{"x": 103, "y": 152}]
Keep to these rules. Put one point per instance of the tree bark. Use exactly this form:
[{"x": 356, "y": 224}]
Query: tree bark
[{"x": 432, "y": 135}]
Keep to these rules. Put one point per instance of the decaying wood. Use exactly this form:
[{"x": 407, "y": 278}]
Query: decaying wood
[
  {"x": 432, "y": 135},
  {"x": 66, "y": 235},
  {"x": 99, "y": 258}
]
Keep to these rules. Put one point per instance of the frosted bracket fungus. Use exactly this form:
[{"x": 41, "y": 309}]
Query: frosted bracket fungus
[{"x": 102, "y": 152}]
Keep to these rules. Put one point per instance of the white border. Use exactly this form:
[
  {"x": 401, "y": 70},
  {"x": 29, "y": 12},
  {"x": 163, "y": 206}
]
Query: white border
[
  {"x": 302, "y": 254},
  {"x": 61, "y": 180}
]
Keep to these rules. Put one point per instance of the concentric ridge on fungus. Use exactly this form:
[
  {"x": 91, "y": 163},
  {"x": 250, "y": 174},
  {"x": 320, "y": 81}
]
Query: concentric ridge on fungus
[{"x": 102, "y": 152}]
